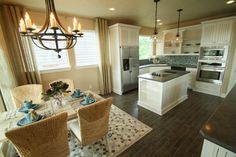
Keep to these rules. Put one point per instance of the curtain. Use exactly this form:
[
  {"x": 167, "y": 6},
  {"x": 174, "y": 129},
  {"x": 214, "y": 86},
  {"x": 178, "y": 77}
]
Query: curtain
[
  {"x": 20, "y": 52},
  {"x": 104, "y": 64},
  {"x": 17, "y": 61}
]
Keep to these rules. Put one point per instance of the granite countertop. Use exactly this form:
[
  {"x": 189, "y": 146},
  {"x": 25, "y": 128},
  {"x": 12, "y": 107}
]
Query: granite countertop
[
  {"x": 166, "y": 75},
  {"x": 220, "y": 128},
  {"x": 153, "y": 65}
]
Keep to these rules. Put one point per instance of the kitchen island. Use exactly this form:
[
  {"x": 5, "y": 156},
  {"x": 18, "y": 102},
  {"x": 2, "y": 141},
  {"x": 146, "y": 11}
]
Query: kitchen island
[{"x": 161, "y": 91}]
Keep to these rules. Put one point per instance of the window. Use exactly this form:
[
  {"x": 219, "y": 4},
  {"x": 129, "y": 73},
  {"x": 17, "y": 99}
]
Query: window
[
  {"x": 145, "y": 47},
  {"x": 48, "y": 59},
  {"x": 86, "y": 50}
]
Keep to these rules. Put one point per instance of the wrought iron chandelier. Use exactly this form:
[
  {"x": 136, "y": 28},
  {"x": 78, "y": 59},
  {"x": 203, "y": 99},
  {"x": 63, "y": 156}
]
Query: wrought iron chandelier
[
  {"x": 155, "y": 33},
  {"x": 177, "y": 34},
  {"x": 50, "y": 36}
]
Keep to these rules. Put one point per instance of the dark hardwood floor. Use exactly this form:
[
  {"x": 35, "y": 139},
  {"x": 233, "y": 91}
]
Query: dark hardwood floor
[{"x": 176, "y": 134}]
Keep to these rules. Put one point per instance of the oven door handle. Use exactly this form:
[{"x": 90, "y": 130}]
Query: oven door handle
[{"x": 210, "y": 69}]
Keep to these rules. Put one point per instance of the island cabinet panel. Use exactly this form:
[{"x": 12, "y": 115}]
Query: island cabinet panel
[
  {"x": 151, "y": 92},
  {"x": 210, "y": 149},
  {"x": 160, "y": 97}
]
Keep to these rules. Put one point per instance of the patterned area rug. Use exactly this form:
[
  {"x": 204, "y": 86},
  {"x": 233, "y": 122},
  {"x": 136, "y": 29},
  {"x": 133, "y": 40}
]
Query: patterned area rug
[{"x": 124, "y": 131}]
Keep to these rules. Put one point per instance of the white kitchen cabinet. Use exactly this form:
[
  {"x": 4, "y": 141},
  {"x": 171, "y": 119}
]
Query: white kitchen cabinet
[
  {"x": 154, "y": 69},
  {"x": 120, "y": 35},
  {"x": 210, "y": 149},
  {"x": 143, "y": 70},
  {"x": 161, "y": 97},
  {"x": 129, "y": 35},
  {"x": 192, "y": 77},
  {"x": 216, "y": 33}
]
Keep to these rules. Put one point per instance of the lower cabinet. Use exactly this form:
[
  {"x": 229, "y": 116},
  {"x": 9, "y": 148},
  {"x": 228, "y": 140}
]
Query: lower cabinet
[
  {"x": 192, "y": 77},
  {"x": 210, "y": 149}
]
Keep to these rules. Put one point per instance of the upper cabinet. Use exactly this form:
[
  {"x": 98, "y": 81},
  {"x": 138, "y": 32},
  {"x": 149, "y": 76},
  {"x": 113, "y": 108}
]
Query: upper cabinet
[
  {"x": 216, "y": 33},
  {"x": 128, "y": 35},
  {"x": 189, "y": 45}
]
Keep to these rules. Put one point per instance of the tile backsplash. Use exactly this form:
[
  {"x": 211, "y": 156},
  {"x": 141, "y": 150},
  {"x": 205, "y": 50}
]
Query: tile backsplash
[{"x": 185, "y": 61}]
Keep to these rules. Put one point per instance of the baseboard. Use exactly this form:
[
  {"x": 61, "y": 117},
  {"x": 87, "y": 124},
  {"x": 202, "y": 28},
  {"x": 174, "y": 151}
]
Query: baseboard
[
  {"x": 119, "y": 92},
  {"x": 152, "y": 109},
  {"x": 206, "y": 92},
  {"x": 175, "y": 103}
]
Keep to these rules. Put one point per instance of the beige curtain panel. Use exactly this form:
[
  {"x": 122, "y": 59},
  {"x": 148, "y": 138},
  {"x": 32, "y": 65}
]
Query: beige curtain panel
[
  {"x": 104, "y": 64},
  {"x": 19, "y": 49}
]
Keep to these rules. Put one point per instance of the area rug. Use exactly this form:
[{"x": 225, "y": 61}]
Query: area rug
[{"x": 124, "y": 131}]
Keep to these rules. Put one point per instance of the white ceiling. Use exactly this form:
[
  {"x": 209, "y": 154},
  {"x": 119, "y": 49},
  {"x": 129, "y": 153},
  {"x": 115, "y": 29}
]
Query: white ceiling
[{"x": 139, "y": 12}]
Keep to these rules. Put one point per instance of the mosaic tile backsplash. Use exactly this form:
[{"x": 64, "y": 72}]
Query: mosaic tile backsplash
[{"x": 185, "y": 61}]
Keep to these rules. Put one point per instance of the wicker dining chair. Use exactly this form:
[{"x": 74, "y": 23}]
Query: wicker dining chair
[
  {"x": 27, "y": 92},
  {"x": 70, "y": 82},
  {"x": 93, "y": 122},
  {"x": 45, "y": 138}
]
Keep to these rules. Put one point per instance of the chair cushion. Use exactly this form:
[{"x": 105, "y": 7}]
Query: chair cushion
[{"x": 75, "y": 128}]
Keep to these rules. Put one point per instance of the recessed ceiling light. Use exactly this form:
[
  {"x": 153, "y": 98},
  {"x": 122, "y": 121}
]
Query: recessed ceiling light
[
  {"x": 158, "y": 20},
  {"x": 230, "y": 1},
  {"x": 160, "y": 23},
  {"x": 112, "y": 9}
]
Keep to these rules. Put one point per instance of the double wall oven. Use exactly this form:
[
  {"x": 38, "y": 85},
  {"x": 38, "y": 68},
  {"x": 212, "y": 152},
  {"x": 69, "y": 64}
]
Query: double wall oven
[{"x": 211, "y": 64}]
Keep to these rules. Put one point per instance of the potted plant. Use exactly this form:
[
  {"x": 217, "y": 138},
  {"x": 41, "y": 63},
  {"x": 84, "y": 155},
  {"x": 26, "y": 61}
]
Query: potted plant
[{"x": 56, "y": 91}]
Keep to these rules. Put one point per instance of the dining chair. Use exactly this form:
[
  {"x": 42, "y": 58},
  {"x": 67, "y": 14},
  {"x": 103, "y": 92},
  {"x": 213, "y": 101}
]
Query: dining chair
[
  {"x": 27, "y": 92},
  {"x": 45, "y": 138},
  {"x": 92, "y": 123},
  {"x": 70, "y": 82}
]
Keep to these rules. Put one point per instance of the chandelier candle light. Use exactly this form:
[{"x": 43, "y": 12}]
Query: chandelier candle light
[{"x": 52, "y": 33}]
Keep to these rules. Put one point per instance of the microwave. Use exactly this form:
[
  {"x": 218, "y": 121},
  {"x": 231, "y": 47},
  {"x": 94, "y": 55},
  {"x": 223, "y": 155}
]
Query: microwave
[{"x": 214, "y": 53}]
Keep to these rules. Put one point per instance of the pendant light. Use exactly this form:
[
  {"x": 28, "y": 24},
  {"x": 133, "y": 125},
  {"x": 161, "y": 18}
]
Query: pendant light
[
  {"x": 155, "y": 33},
  {"x": 178, "y": 38},
  {"x": 52, "y": 33}
]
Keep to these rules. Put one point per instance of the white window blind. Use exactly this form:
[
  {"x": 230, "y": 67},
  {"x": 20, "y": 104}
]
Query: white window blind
[
  {"x": 86, "y": 50},
  {"x": 48, "y": 59}
]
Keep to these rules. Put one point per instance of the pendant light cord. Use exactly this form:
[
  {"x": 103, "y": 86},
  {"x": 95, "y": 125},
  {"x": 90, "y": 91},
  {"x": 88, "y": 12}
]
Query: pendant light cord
[
  {"x": 179, "y": 10},
  {"x": 155, "y": 29}
]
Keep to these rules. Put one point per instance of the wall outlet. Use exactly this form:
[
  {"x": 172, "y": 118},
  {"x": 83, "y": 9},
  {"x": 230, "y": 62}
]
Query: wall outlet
[{"x": 90, "y": 86}]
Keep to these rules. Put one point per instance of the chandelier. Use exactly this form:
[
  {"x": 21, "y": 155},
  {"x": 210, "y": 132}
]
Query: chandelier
[
  {"x": 178, "y": 39},
  {"x": 155, "y": 33},
  {"x": 52, "y": 36}
]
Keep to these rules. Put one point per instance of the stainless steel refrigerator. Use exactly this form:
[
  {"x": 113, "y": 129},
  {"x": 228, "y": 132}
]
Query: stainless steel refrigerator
[{"x": 130, "y": 67}]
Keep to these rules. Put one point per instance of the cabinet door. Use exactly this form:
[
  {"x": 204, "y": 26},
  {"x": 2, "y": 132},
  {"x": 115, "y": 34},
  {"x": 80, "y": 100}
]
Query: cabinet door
[
  {"x": 210, "y": 149},
  {"x": 124, "y": 36},
  {"x": 133, "y": 37},
  {"x": 223, "y": 32},
  {"x": 208, "y": 34}
]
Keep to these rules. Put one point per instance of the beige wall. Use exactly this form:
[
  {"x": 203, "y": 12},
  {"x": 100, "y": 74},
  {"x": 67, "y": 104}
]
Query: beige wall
[{"x": 86, "y": 78}]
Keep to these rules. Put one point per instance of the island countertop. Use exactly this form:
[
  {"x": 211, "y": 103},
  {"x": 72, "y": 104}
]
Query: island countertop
[
  {"x": 163, "y": 75},
  {"x": 220, "y": 128}
]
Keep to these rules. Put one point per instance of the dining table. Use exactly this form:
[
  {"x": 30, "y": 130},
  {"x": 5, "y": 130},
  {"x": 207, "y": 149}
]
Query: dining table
[{"x": 9, "y": 119}]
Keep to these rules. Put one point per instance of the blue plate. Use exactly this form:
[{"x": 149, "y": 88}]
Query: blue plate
[
  {"x": 33, "y": 106},
  {"x": 74, "y": 95},
  {"x": 24, "y": 121},
  {"x": 91, "y": 100}
]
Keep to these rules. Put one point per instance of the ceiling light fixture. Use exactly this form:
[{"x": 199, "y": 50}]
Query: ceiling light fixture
[
  {"x": 155, "y": 33},
  {"x": 177, "y": 35},
  {"x": 230, "y": 1},
  {"x": 112, "y": 9},
  {"x": 160, "y": 23},
  {"x": 52, "y": 33},
  {"x": 158, "y": 20}
]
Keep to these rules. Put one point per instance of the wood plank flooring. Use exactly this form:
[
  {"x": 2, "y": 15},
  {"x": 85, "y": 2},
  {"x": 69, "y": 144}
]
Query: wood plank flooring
[{"x": 176, "y": 134}]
